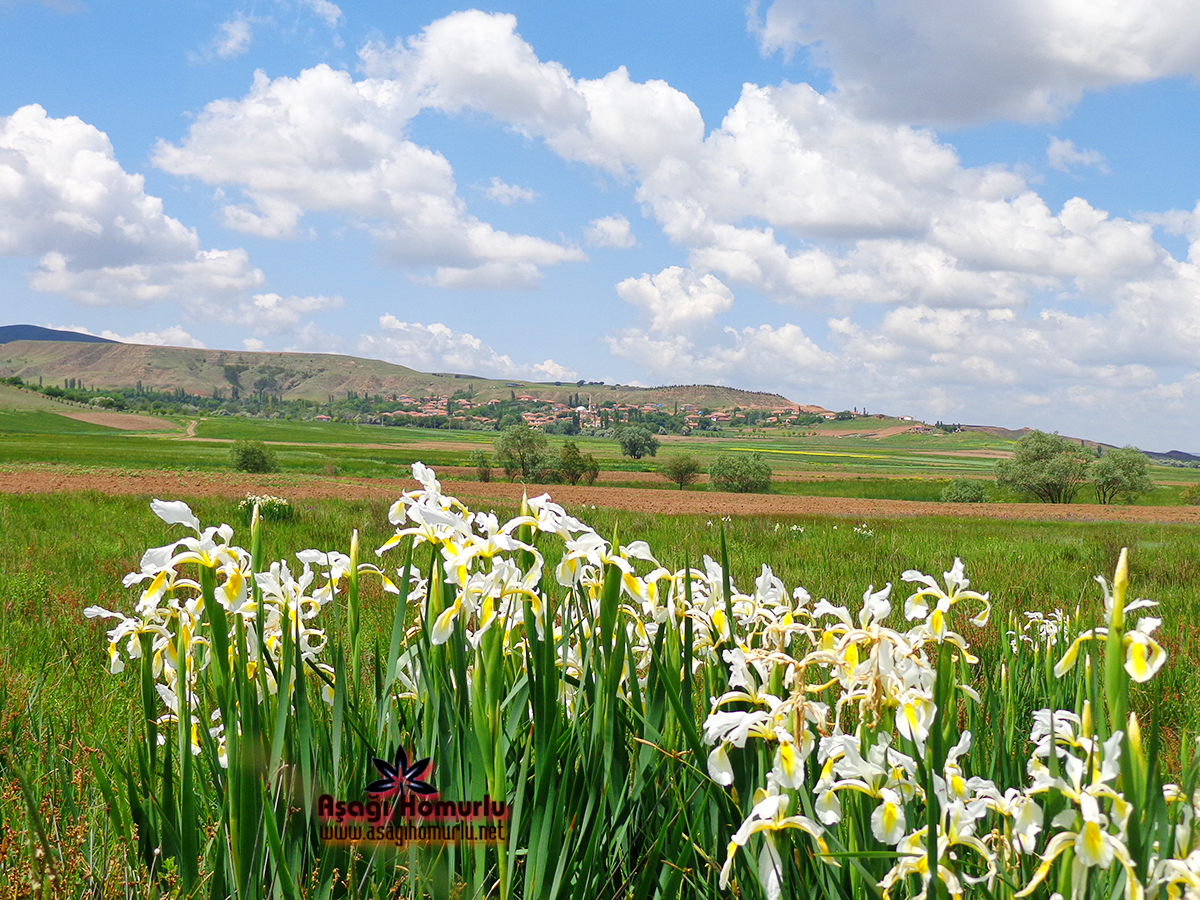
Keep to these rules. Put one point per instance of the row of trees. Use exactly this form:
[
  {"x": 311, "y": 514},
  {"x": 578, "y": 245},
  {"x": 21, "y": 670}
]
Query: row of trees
[
  {"x": 1044, "y": 467},
  {"x": 522, "y": 451},
  {"x": 1052, "y": 469},
  {"x": 741, "y": 473}
]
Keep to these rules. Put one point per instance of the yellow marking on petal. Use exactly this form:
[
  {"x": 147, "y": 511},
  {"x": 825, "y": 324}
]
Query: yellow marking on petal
[{"x": 850, "y": 655}]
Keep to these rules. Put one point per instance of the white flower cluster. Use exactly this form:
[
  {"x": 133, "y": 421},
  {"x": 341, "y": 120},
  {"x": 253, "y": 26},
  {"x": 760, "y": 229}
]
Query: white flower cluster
[
  {"x": 171, "y": 615},
  {"x": 861, "y": 696},
  {"x": 271, "y": 508}
]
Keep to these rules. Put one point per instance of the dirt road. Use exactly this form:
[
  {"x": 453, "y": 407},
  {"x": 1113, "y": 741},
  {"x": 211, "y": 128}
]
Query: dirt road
[{"x": 171, "y": 485}]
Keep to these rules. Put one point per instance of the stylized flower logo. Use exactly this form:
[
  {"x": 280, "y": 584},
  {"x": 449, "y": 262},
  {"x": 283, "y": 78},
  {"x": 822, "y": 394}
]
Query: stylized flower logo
[{"x": 401, "y": 777}]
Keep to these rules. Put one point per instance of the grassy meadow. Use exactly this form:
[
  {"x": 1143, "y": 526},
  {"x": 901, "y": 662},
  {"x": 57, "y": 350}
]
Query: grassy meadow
[{"x": 62, "y": 713}]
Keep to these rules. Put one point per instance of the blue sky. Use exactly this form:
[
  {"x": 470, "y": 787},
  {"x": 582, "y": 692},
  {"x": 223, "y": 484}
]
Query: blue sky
[{"x": 969, "y": 212}]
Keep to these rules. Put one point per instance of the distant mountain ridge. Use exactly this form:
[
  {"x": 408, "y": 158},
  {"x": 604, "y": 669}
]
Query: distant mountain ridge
[
  {"x": 317, "y": 376},
  {"x": 10, "y": 333}
]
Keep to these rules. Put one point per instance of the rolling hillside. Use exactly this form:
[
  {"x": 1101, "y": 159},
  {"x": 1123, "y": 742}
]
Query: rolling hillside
[{"x": 316, "y": 376}]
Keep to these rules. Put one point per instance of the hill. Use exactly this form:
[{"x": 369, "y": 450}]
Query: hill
[
  {"x": 38, "y": 333},
  {"x": 318, "y": 376}
]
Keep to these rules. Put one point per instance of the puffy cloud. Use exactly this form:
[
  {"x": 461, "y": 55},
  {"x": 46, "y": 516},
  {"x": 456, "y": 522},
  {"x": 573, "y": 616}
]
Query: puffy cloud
[
  {"x": 273, "y": 314},
  {"x": 171, "y": 336},
  {"x": 329, "y": 13},
  {"x": 951, "y": 62},
  {"x": 436, "y": 347},
  {"x": 753, "y": 356},
  {"x": 233, "y": 37},
  {"x": 508, "y": 194},
  {"x": 210, "y": 279},
  {"x": 476, "y": 60},
  {"x": 677, "y": 298},
  {"x": 1062, "y": 155},
  {"x": 322, "y": 141},
  {"x": 797, "y": 197},
  {"x": 101, "y": 239},
  {"x": 610, "y": 231},
  {"x": 792, "y": 157},
  {"x": 490, "y": 276},
  {"x": 62, "y": 190}
]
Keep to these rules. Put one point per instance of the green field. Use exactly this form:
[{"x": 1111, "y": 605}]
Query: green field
[{"x": 904, "y": 467}]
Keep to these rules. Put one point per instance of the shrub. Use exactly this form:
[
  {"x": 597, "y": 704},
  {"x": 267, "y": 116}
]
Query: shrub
[
  {"x": 1190, "y": 495},
  {"x": 964, "y": 490},
  {"x": 741, "y": 474},
  {"x": 592, "y": 472},
  {"x": 252, "y": 456}
]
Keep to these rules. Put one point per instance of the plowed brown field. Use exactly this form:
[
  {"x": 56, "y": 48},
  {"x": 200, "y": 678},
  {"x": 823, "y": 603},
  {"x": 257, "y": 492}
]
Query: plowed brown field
[
  {"x": 123, "y": 421},
  {"x": 171, "y": 485}
]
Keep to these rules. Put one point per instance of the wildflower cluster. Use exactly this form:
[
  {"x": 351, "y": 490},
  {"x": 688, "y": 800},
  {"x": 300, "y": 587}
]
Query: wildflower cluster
[
  {"x": 270, "y": 508},
  {"x": 495, "y": 572},
  {"x": 173, "y": 628}
]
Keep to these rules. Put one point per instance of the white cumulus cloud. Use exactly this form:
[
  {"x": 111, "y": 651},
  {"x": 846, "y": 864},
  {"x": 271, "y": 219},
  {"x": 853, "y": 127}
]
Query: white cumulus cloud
[
  {"x": 677, "y": 298},
  {"x": 437, "y": 348},
  {"x": 327, "y": 12},
  {"x": 1062, "y": 155},
  {"x": 324, "y": 142},
  {"x": 233, "y": 37},
  {"x": 610, "y": 231},
  {"x": 508, "y": 194},
  {"x": 944, "y": 61},
  {"x": 171, "y": 336},
  {"x": 100, "y": 239},
  {"x": 270, "y": 314}
]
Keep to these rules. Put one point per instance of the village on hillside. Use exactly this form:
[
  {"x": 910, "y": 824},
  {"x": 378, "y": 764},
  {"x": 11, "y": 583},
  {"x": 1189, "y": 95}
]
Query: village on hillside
[
  {"x": 583, "y": 415},
  {"x": 461, "y": 410}
]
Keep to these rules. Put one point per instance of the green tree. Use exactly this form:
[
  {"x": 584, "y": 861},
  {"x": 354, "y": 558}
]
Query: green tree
[
  {"x": 521, "y": 450},
  {"x": 252, "y": 456},
  {"x": 1120, "y": 473},
  {"x": 741, "y": 473},
  {"x": 637, "y": 442},
  {"x": 681, "y": 468},
  {"x": 482, "y": 463},
  {"x": 1044, "y": 466},
  {"x": 1190, "y": 495},
  {"x": 573, "y": 465}
]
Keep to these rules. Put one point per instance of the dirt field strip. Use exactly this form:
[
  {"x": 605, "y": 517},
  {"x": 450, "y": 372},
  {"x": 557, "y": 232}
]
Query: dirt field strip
[
  {"x": 172, "y": 485},
  {"x": 122, "y": 421}
]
